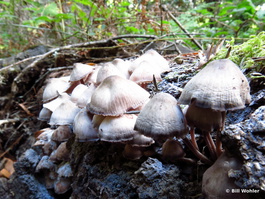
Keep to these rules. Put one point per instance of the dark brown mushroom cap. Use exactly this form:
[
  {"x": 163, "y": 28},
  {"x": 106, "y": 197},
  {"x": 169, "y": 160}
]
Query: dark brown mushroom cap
[
  {"x": 219, "y": 86},
  {"x": 216, "y": 179},
  {"x": 172, "y": 149},
  {"x": 161, "y": 117},
  {"x": 116, "y": 95},
  {"x": 205, "y": 119},
  {"x": 62, "y": 133}
]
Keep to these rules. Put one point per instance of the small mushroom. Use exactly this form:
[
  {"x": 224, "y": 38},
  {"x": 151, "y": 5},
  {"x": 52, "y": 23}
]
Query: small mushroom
[
  {"x": 161, "y": 118},
  {"x": 60, "y": 154},
  {"x": 55, "y": 103},
  {"x": 45, "y": 115},
  {"x": 62, "y": 133},
  {"x": 54, "y": 87},
  {"x": 140, "y": 140},
  {"x": 77, "y": 92},
  {"x": 83, "y": 127},
  {"x": 132, "y": 152},
  {"x": 116, "y": 95},
  {"x": 49, "y": 147},
  {"x": 117, "y": 129},
  {"x": 145, "y": 73},
  {"x": 106, "y": 70},
  {"x": 172, "y": 150},
  {"x": 218, "y": 87},
  {"x": 153, "y": 57},
  {"x": 122, "y": 66},
  {"x": 80, "y": 71},
  {"x": 64, "y": 114},
  {"x": 85, "y": 98},
  {"x": 216, "y": 181}
]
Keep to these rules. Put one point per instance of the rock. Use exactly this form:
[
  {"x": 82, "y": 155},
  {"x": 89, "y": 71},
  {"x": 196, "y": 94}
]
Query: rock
[
  {"x": 157, "y": 180},
  {"x": 246, "y": 139}
]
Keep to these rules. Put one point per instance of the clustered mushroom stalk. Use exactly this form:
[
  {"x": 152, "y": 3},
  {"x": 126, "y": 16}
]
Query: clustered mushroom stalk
[{"x": 219, "y": 87}]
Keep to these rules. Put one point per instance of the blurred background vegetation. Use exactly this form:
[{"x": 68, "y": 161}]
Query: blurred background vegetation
[{"x": 27, "y": 23}]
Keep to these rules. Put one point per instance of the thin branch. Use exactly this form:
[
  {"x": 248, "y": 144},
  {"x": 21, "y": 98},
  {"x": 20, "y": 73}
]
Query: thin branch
[{"x": 181, "y": 27}]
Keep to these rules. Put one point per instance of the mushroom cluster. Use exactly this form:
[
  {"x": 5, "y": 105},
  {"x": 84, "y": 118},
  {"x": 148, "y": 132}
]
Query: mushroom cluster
[
  {"x": 102, "y": 102},
  {"x": 109, "y": 102}
]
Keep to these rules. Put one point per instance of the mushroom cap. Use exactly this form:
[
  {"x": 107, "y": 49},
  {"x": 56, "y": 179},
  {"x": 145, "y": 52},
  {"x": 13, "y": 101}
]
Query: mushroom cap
[
  {"x": 123, "y": 66},
  {"x": 140, "y": 140},
  {"x": 153, "y": 57},
  {"x": 83, "y": 127},
  {"x": 172, "y": 149},
  {"x": 116, "y": 95},
  {"x": 161, "y": 117},
  {"x": 80, "y": 71},
  {"x": 205, "y": 119},
  {"x": 85, "y": 98},
  {"x": 144, "y": 73},
  {"x": 77, "y": 92},
  {"x": 117, "y": 129},
  {"x": 132, "y": 152},
  {"x": 64, "y": 114},
  {"x": 106, "y": 70},
  {"x": 219, "y": 86},
  {"x": 62, "y": 133},
  {"x": 60, "y": 154},
  {"x": 216, "y": 179},
  {"x": 45, "y": 114},
  {"x": 55, "y": 103},
  {"x": 54, "y": 87}
]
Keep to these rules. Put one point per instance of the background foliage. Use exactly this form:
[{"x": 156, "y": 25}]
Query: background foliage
[{"x": 25, "y": 23}]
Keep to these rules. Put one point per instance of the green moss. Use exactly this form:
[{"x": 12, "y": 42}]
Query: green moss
[{"x": 242, "y": 54}]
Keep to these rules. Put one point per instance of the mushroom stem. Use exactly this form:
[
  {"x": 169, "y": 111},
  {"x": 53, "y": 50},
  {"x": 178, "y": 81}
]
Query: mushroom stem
[
  {"x": 196, "y": 152},
  {"x": 219, "y": 149},
  {"x": 210, "y": 144},
  {"x": 192, "y": 138}
]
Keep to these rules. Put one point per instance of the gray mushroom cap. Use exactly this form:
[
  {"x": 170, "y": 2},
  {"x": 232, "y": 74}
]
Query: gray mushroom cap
[
  {"x": 220, "y": 86},
  {"x": 161, "y": 117}
]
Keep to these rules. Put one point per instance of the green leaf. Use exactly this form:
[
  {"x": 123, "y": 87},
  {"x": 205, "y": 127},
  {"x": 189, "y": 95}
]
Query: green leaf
[
  {"x": 5, "y": 3},
  {"x": 50, "y": 9}
]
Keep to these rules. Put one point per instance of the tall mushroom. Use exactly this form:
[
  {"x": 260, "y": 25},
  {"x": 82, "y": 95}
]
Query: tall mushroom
[{"x": 217, "y": 88}]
